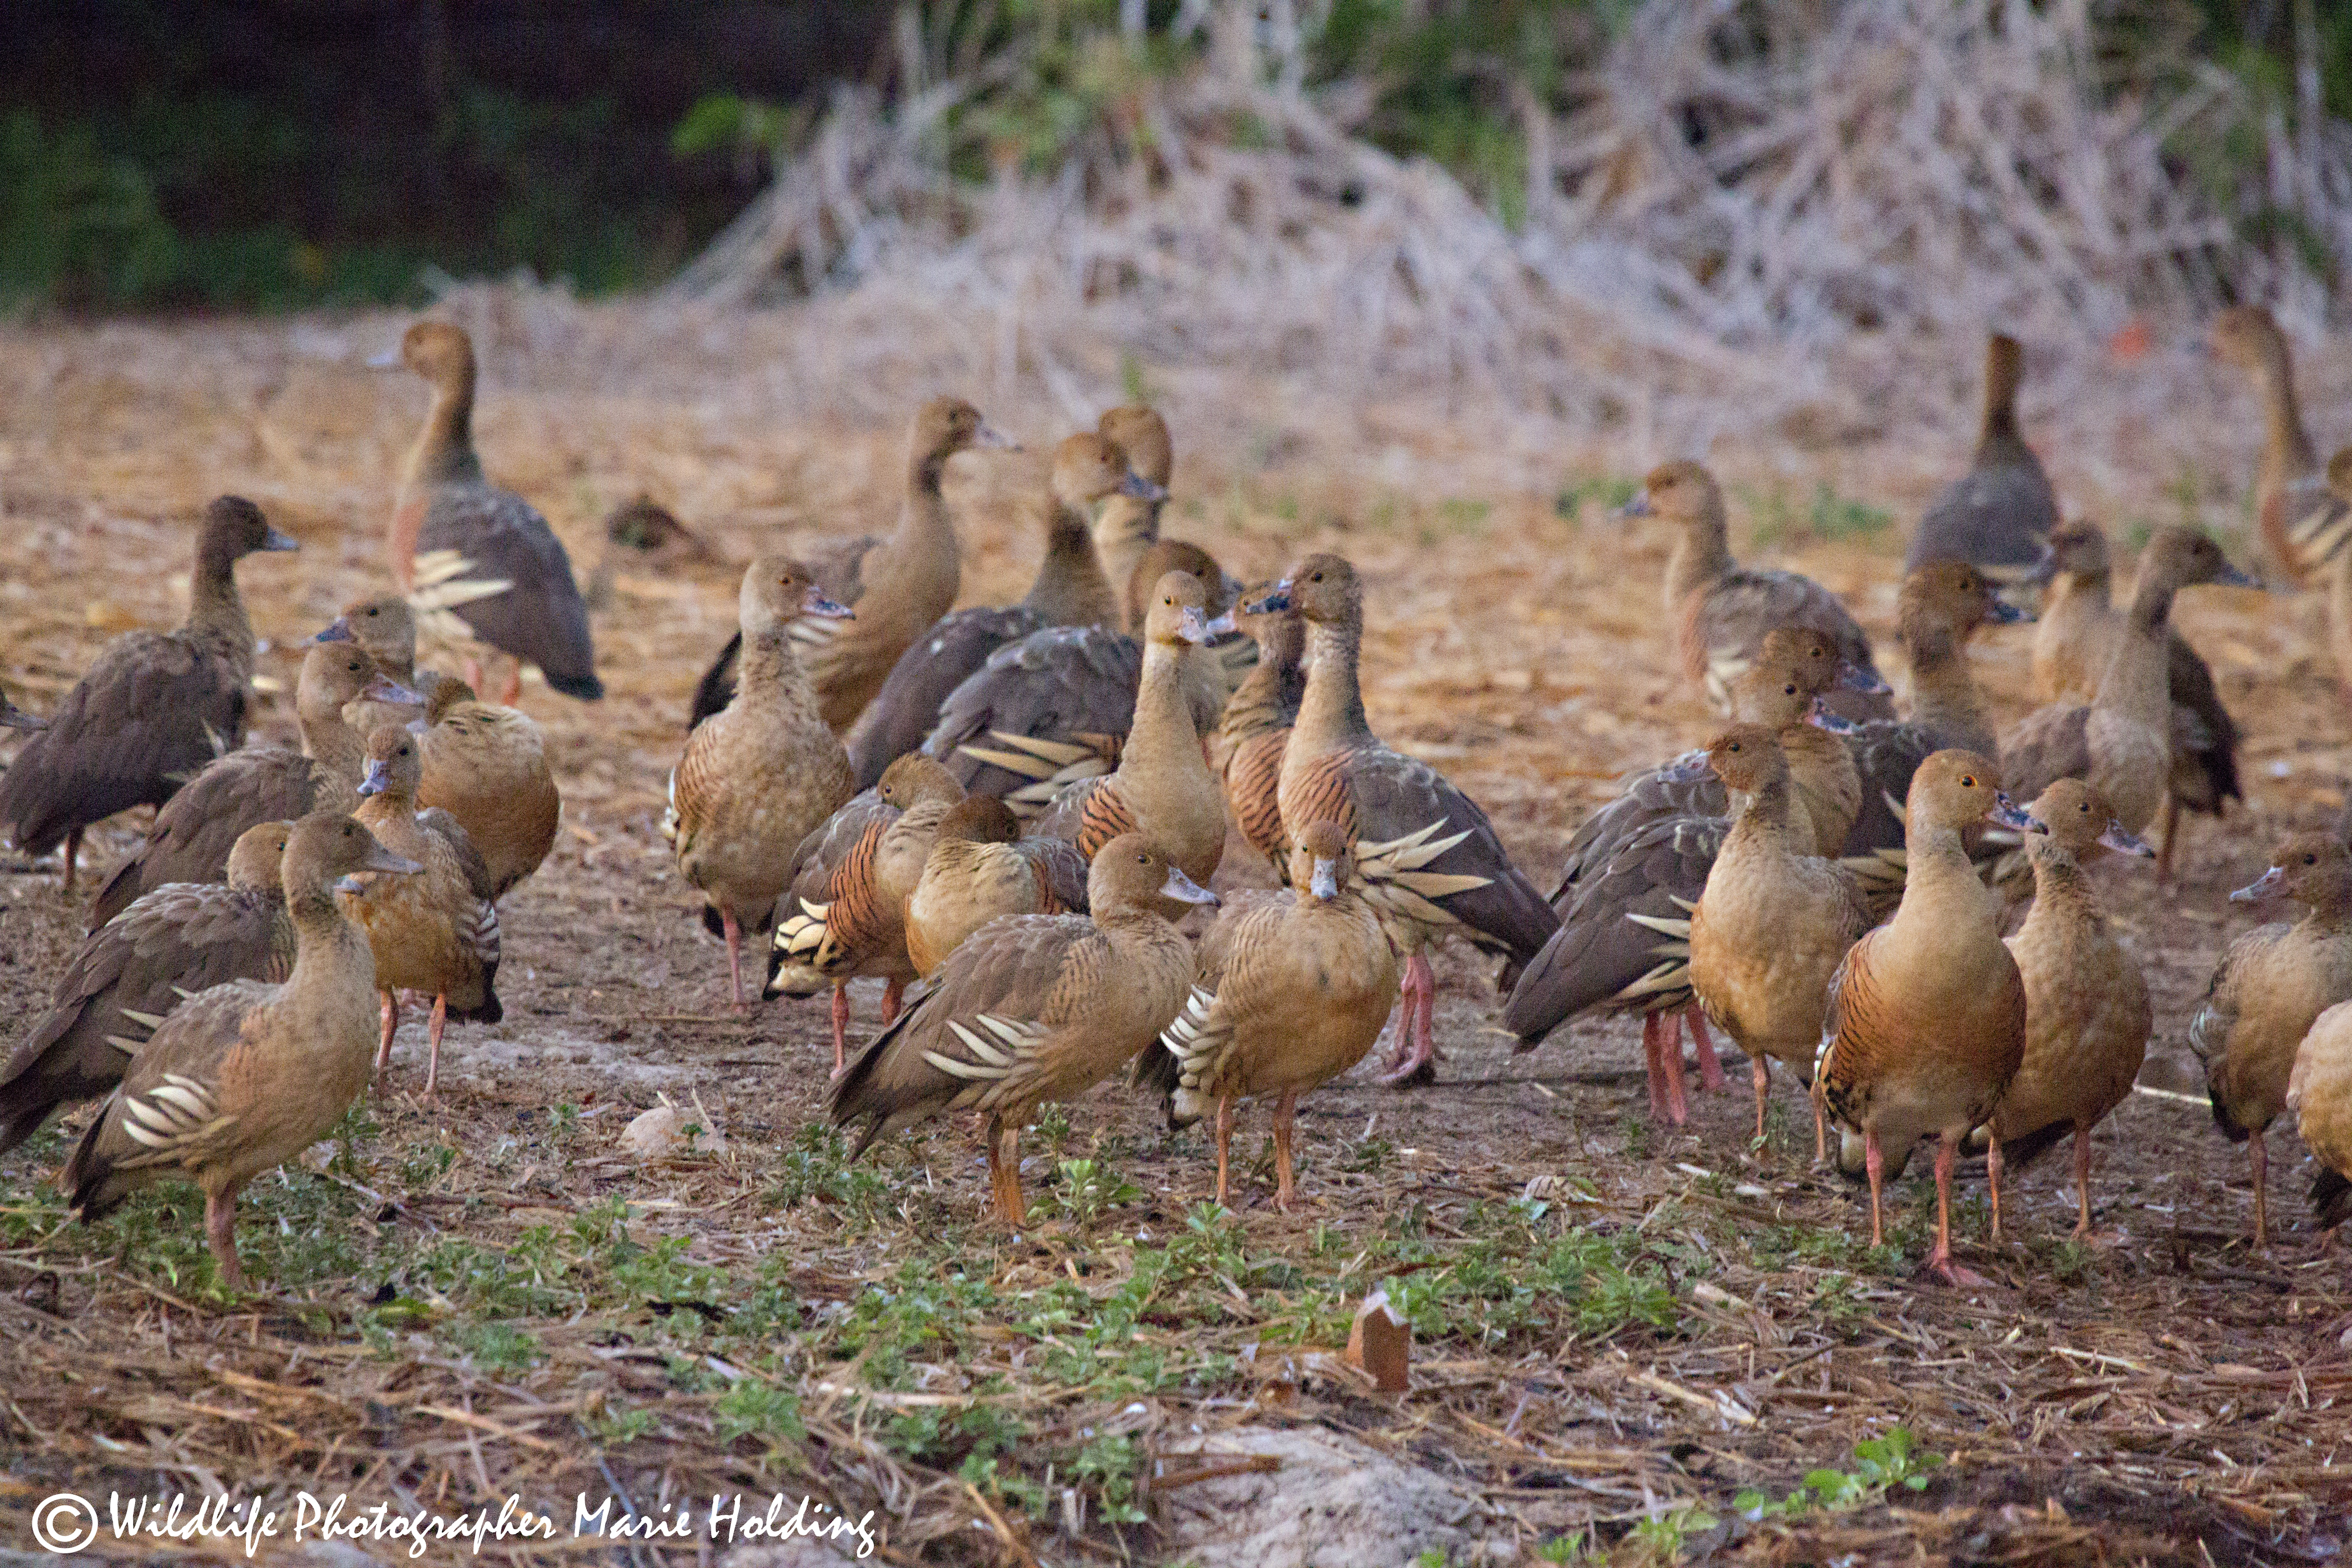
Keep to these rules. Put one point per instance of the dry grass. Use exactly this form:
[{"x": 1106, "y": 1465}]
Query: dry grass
[{"x": 485, "y": 1296}]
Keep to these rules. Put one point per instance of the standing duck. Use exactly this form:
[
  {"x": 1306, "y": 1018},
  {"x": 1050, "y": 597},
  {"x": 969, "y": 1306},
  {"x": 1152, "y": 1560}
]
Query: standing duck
[
  {"x": 1054, "y": 709},
  {"x": 1254, "y": 731},
  {"x": 2121, "y": 742},
  {"x": 153, "y": 709},
  {"x": 1128, "y": 524},
  {"x": 2271, "y": 984},
  {"x": 2319, "y": 1092},
  {"x": 980, "y": 867},
  {"x": 1926, "y": 1025},
  {"x": 1630, "y": 884},
  {"x": 1722, "y": 609},
  {"x": 2303, "y": 525},
  {"x": 2087, "y": 1008},
  {"x": 1233, "y": 652},
  {"x": 486, "y": 766},
  {"x": 2074, "y": 642},
  {"x": 1773, "y": 923},
  {"x": 435, "y": 933},
  {"x": 899, "y": 586},
  {"x": 197, "y": 827},
  {"x": 1428, "y": 857},
  {"x": 386, "y": 628},
  {"x": 1291, "y": 991},
  {"x": 464, "y": 526},
  {"x": 1163, "y": 787},
  {"x": 762, "y": 773},
  {"x": 244, "y": 1076},
  {"x": 181, "y": 939},
  {"x": 1070, "y": 590},
  {"x": 1998, "y": 515},
  {"x": 1032, "y": 1009},
  {"x": 844, "y": 913},
  {"x": 2339, "y": 584}
]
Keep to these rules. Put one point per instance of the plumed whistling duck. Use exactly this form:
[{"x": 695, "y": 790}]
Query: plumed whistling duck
[
  {"x": 2319, "y": 1092},
  {"x": 2303, "y": 526},
  {"x": 153, "y": 709},
  {"x": 486, "y": 766},
  {"x": 1033, "y": 1008},
  {"x": 1997, "y": 516},
  {"x": 980, "y": 868}
]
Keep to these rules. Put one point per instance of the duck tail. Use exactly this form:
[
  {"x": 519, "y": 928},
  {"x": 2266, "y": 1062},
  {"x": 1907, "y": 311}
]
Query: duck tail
[
  {"x": 2222, "y": 1116},
  {"x": 89, "y": 1180},
  {"x": 586, "y": 687},
  {"x": 2025, "y": 1149}
]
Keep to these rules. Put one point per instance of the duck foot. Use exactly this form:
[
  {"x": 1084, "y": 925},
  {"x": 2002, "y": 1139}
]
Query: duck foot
[
  {"x": 1952, "y": 1273},
  {"x": 1414, "y": 1063},
  {"x": 1661, "y": 1050}
]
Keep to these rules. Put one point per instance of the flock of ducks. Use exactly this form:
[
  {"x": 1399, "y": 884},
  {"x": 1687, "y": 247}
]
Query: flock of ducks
[{"x": 1005, "y": 813}]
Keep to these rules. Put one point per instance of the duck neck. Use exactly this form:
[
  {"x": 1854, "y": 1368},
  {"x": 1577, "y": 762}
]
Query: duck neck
[
  {"x": 924, "y": 542},
  {"x": 1702, "y": 557},
  {"x": 1123, "y": 529},
  {"x": 215, "y": 610},
  {"x": 1944, "y": 701},
  {"x": 332, "y": 744},
  {"x": 1331, "y": 708},
  {"x": 1163, "y": 731},
  {"x": 771, "y": 674},
  {"x": 1939, "y": 881},
  {"x": 327, "y": 949},
  {"x": 2287, "y": 451},
  {"x": 2062, "y": 893},
  {"x": 1072, "y": 588},
  {"x": 444, "y": 453},
  {"x": 1998, "y": 435},
  {"x": 2136, "y": 680},
  {"x": 1268, "y": 697},
  {"x": 1770, "y": 819},
  {"x": 2092, "y": 588}
]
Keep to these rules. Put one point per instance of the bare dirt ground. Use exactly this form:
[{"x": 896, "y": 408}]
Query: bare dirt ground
[{"x": 485, "y": 1296}]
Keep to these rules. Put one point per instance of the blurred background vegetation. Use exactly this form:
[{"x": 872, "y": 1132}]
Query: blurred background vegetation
[{"x": 274, "y": 154}]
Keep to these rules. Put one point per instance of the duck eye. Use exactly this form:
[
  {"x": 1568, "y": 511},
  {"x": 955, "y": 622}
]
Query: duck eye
[
  {"x": 1968, "y": 781},
  {"x": 1317, "y": 578}
]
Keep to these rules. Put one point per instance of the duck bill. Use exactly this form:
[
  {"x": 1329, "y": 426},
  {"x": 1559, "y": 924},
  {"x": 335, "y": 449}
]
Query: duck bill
[
  {"x": 1852, "y": 677},
  {"x": 2232, "y": 578},
  {"x": 1185, "y": 890},
  {"x": 384, "y": 689},
  {"x": 337, "y": 630},
  {"x": 2124, "y": 843},
  {"x": 272, "y": 539},
  {"x": 816, "y": 604},
  {"x": 2261, "y": 886},
  {"x": 1688, "y": 768},
  {"x": 1192, "y": 626},
  {"x": 1142, "y": 490},
  {"x": 1274, "y": 603},
  {"x": 377, "y": 780},
  {"x": 1325, "y": 883},
  {"x": 1226, "y": 625},
  {"x": 1638, "y": 506},
  {"x": 418, "y": 726},
  {"x": 1836, "y": 724},
  {"x": 2001, "y": 613},
  {"x": 989, "y": 436},
  {"x": 2006, "y": 814},
  {"x": 15, "y": 718}
]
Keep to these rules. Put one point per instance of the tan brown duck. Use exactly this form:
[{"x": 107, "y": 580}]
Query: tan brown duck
[
  {"x": 1032, "y": 1009},
  {"x": 497, "y": 564},
  {"x": 1290, "y": 992},
  {"x": 244, "y": 1076},
  {"x": 1638, "y": 866},
  {"x": 1721, "y": 610},
  {"x": 183, "y": 938},
  {"x": 195, "y": 830},
  {"x": 2121, "y": 741},
  {"x": 1129, "y": 524},
  {"x": 1070, "y": 590},
  {"x": 2087, "y": 1008},
  {"x": 765, "y": 772},
  {"x": 1428, "y": 859},
  {"x": 1773, "y": 923},
  {"x": 2339, "y": 579},
  {"x": 2319, "y": 1092},
  {"x": 1163, "y": 787},
  {"x": 1997, "y": 516},
  {"x": 2269, "y": 987},
  {"x": 2074, "y": 642},
  {"x": 1926, "y": 1025},
  {"x": 899, "y": 586},
  {"x": 386, "y": 628},
  {"x": 2303, "y": 526},
  {"x": 980, "y": 867},
  {"x": 435, "y": 933},
  {"x": 1254, "y": 731},
  {"x": 486, "y": 766},
  {"x": 844, "y": 913},
  {"x": 153, "y": 709}
]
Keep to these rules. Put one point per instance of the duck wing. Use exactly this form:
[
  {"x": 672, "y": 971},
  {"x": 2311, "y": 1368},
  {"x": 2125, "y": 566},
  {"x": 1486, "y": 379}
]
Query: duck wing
[
  {"x": 1625, "y": 945},
  {"x": 1051, "y": 703},
  {"x": 541, "y": 616},
  {"x": 907, "y": 706},
  {"x": 198, "y": 827}
]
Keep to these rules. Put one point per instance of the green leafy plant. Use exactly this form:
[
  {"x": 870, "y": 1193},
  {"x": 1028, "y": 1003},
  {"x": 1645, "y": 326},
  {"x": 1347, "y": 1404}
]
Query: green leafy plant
[{"x": 1880, "y": 1465}]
